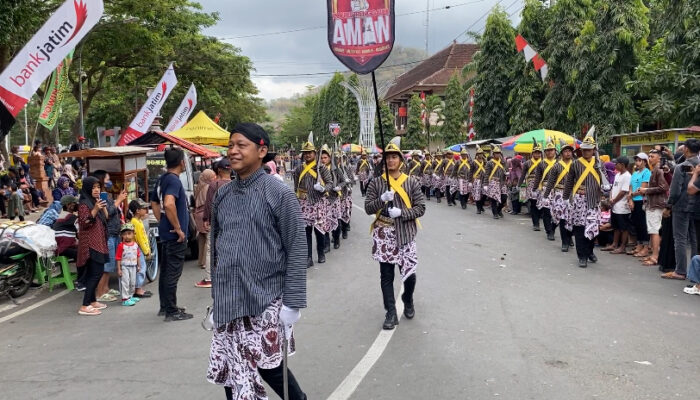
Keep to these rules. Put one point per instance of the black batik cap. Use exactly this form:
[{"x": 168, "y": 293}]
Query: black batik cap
[{"x": 256, "y": 134}]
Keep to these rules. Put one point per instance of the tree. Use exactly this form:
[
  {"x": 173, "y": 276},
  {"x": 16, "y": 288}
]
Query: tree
[
  {"x": 317, "y": 116},
  {"x": 434, "y": 117},
  {"x": 414, "y": 138},
  {"x": 608, "y": 50},
  {"x": 351, "y": 116},
  {"x": 528, "y": 91},
  {"x": 387, "y": 125},
  {"x": 333, "y": 105},
  {"x": 297, "y": 124},
  {"x": 568, "y": 17},
  {"x": 455, "y": 116},
  {"x": 668, "y": 77},
  {"x": 492, "y": 83}
]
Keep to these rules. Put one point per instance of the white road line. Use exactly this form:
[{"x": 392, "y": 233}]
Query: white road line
[
  {"x": 348, "y": 386},
  {"x": 33, "y": 306},
  {"x": 358, "y": 207},
  {"x": 23, "y": 299}
]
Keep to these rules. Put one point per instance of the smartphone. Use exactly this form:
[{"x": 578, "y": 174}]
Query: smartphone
[
  {"x": 687, "y": 168},
  {"x": 103, "y": 196}
]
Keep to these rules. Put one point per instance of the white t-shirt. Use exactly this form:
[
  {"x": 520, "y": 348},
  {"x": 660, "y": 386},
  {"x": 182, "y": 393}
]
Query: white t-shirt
[{"x": 622, "y": 183}]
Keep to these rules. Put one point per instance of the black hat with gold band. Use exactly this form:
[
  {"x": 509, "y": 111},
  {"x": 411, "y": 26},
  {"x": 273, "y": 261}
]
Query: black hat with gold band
[
  {"x": 550, "y": 144},
  {"x": 479, "y": 150},
  {"x": 326, "y": 149},
  {"x": 496, "y": 149},
  {"x": 464, "y": 152},
  {"x": 563, "y": 145},
  {"x": 536, "y": 146}
]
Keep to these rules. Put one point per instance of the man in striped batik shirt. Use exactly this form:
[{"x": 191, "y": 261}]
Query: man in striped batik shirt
[{"x": 258, "y": 270}]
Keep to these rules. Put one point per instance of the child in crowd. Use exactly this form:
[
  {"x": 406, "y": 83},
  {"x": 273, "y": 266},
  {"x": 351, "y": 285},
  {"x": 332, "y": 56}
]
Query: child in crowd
[
  {"x": 139, "y": 213},
  {"x": 127, "y": 258},
  {"x": 605, "y": 234},
  {"x": 15, "y": 207}
]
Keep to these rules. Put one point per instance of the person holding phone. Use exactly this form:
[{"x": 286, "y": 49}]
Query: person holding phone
[
  {"x": 114, "y": 223},
  {"x": 92, "y": 243},
  {"x": 683, "y": 210}
]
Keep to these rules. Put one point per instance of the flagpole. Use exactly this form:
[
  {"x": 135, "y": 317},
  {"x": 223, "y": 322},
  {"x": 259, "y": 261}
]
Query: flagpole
[{"x": 381, "y": 129}]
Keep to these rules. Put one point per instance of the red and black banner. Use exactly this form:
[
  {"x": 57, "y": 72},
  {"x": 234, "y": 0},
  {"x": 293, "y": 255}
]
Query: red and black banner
[{"x": 361, "y": 32}]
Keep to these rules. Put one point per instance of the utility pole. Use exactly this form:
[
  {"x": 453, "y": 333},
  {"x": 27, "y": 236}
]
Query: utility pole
[{"x": 427, "y": 25}]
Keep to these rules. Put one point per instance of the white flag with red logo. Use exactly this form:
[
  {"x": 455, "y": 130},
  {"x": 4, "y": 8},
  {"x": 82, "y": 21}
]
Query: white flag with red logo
[
  {"x": 472, "y": 132},
  {"x": 150, "y": 108},
  {"x": 47, "y": 48},
  {"x": 183, "y": 112}
]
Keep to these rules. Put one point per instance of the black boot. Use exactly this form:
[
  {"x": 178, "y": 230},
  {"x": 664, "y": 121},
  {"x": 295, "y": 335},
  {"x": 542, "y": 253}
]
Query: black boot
[
  {"x": 438, "y": 196},
  {"x": 336, "y": 236},
  {"x": 550, "y": 236},
  {"x": 592, "y": 258},
  {"x": 582, "y": 263},
  {"x": 321, "y": 257},
  {"x": 408, "y": 310},
  {"x": 327, "y": 243},
  {"x": 320, "y": 244},
  {"x": 344, "y": 228},
  {"x": 309, "y": 229},
  {"x": 390, "y": 320},
  {"x": 564, "y": 247},
  {"x": 310, "y": 263}
]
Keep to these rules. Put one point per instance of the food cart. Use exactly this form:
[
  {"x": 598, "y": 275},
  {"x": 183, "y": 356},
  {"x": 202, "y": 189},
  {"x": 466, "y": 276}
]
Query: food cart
[
  {"x": 629, "y": 144},
  {"x": 126, "y": 166}
]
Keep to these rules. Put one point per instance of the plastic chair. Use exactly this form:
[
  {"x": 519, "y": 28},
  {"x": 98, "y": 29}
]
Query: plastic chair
[{"x": 65, "y": 277}]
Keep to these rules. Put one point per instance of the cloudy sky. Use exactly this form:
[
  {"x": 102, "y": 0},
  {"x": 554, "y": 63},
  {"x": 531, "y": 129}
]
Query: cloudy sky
[{"x": 288, "y": 38}]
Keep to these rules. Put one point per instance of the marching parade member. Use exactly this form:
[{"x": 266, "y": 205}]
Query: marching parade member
[
  {"x": 347, "y": 197},
  {"x": 258, "y": 268},
  {"x": 340, "y": 181},
  {"x": 310, "y": 190},
  {"x": 414, "y": 166},
  {"x": 449, "y": 183},
  {"x": 463, "y": 178},
  {"x": 427, "y": 170},
  {"x": 364, "y": 172},
  {"x": 541, "y": 175},
  {"x": 554, "y": 190},
  {"x": 496, "y": 189},
  {"x": 528, "y": 179},
  {"x": 438, "y": 176},
  {"x": 330, "y": 208},
  {"x": 478, "y": 179},
  {"x": 396, "y": 208},
  {"x": 583, "y": 189}
]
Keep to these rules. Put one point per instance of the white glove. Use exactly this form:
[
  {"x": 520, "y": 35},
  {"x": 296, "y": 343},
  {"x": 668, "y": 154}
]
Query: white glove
[
  {"x": 606, "y": 188},
  {"x": 347, "y": 180},
  {"x": 394, "y": 212},
  {"x": 336, "y": 189},
  {"x": 288, "y": 317},
  {"x": 387, "y": 196},
  {"x": 318, "y": 187}
]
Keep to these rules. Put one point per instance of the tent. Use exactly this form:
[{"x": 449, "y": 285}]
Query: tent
[
  {"x": 159, "y": 138},
  {"x": 202, "y": 130}
]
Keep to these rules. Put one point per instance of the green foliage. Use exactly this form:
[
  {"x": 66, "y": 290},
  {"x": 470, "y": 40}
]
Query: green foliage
[
  {"x": 528, "y": 92},
  {"x": 568, "y": 18},
  {"x": 297, "y": 123},
  {"x": 387, "y": 125},
  {"x": 492, "y": 83},
  {"x": 414, "y": 138},
  {"x": 434, "y": 107},
  {"x": 453, "y": 130},
  {"x": 350, "y": 129},
  {"x": 608, "y": 51},
  {"x": 333, "y": 106}
]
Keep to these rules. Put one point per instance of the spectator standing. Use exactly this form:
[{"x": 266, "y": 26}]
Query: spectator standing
[
  {"x": 92, "y": 243},
  {"x": 223, "y": 176},
  {"x": 114, "y": 223},
  {"x": 514, "y": 174},
  {"x": 139, "y": 213},
  {"x": 694, "y": 190},
  {"x": 620, "y": 207},
  {"x": 655, "y": 194},
  {"x": 683, "y": 210},
  {"x": 200, "y": 199},
  {"x": 127, "y": 259},
  {"x": 15, "y": 206},
  {"x": 640, "y": 180},
  {"x": 259, "y": 264},
  {"x": 169, "y": 204}
]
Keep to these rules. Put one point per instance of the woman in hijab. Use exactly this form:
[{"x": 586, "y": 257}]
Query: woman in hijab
[
  {"x": 92, "y": 243},
  {"x": 516, "y": 171},
  {"x": 68, "y": 172},
  {"x": 610, "y": 171},
  {"x": 62, "y": 188},
  {"x": 200, "y": 199}
]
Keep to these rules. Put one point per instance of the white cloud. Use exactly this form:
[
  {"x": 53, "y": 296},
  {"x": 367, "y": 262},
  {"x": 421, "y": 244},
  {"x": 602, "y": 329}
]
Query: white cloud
[{"x": 273, "y": 89}]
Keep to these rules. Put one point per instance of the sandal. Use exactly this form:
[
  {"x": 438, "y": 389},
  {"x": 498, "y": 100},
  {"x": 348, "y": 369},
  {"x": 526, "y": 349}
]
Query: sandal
[
  {"x": 618, "y": 251},
  {"x": 107, "y": 298},
  {"x": 89, "y": 310},
  {"x": 673, "y": 275},
  {"x": 650, "y": 262},
  {"x": 99, "y": 306}
]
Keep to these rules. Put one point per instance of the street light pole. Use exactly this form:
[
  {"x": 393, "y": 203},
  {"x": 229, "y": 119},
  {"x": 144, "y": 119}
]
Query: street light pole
[{"x": 80, "y": 87}]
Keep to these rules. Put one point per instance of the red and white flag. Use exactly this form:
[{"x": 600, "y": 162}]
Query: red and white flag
[
  {"x": 530, "y": 54},
  {"x": 46, "y": 49},
  {"x": 472, "y": 132},
  {"x": 184, "y": 111},
  {"x": 150, "y": 108}
]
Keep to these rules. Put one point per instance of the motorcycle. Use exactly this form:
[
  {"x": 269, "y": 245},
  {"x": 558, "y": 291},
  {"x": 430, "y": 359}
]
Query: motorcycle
[{"x": 17, "y": 264}]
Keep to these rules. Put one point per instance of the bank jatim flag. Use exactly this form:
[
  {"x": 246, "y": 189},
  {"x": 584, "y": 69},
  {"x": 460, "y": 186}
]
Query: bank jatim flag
[
  {"x": 150, "y": 108},
  {"x": 361, "y": 32},
  {"x": 183, "y": 112},
  {"x": 42, "y": 54}
]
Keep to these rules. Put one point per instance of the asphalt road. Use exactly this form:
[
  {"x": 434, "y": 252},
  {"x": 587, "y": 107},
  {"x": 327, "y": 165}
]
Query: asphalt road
[{"x": 500, "y": 313}]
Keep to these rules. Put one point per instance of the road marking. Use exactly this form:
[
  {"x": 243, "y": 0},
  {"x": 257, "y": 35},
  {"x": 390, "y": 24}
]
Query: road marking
[
  {"x": 358, "y": 207},
  {"x": 22, "y": 300},
  {"x": 348, "y": 386},
  {"x": 33, "y": 306}
]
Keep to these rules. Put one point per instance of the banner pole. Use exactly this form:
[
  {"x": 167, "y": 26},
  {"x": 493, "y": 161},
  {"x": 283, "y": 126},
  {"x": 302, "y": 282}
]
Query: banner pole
[{"x": 381, "y": 134}]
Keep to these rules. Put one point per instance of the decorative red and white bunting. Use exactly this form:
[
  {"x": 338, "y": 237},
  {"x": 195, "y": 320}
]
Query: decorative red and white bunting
[{"x": 530, "y": 54}]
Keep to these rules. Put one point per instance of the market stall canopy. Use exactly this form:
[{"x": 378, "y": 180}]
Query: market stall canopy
[
  {"x": 157, "y": 138},
  {"x": 202, "y": 130},
  {"x": 100, "y": 152},
  {"x": 523, "y": 143}
]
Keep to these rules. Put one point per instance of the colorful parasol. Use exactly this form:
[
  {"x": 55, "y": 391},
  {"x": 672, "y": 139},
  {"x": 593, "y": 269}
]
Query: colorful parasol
[{"x": 523, "y": 143}]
